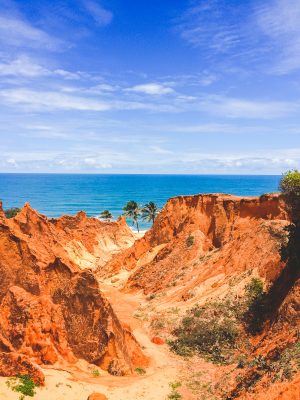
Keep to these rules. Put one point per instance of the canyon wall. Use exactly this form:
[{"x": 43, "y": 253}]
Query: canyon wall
[
  {"x": 50, "y": 308},
  {"x": 204, "y": 240}
]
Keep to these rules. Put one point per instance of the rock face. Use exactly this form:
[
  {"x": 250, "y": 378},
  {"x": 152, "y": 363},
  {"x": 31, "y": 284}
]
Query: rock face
[
  {"x": 50, "y": 309},
  {"x": 97, "y": 396},
  {"x": 200, "y": 247},
  {"x": 82, "y": 240},
  {"x": 205, "y": 239}
]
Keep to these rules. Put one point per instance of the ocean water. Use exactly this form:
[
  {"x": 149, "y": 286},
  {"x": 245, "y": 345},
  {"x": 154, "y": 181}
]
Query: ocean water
[{"x": 58, "y": 194}]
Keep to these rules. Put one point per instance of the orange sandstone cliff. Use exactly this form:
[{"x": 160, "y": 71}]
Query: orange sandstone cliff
[
  {"x": 199, "y": 249},
  {"x": 50, "y": 309},
  {"x": 205, "y": 238},
  {"x": 204, "y": 246}
]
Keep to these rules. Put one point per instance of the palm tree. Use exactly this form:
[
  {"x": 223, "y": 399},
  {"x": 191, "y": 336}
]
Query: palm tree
[
  {"x": 107, "y": 215},
  {"x": 132, "y": 210},
  {"x": 149, "y": 212}
]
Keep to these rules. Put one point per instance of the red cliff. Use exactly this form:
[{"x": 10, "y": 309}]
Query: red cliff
[{"x": 50, "y": 309}]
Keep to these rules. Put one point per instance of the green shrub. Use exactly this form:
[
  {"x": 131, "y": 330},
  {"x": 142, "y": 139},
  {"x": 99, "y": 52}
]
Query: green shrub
[
  {"x": 11, "y": 212},
  {"x": 140, "y": 371},
  {"x": 256, "y": 306},
  {"x": 95, "y": 373},
  {"x": 290, "y": 188},
  {"x": 190, "y": 241},
  {"x": 151, "y": 297},
  {"x": 174, "y": 395},
  {"x": 210, "y": 330},
  {"x": 23, "y": 384}
]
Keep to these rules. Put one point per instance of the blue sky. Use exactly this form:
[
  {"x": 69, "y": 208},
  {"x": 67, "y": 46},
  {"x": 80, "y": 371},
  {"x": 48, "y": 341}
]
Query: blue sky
[{"x": 154, "y": 86}]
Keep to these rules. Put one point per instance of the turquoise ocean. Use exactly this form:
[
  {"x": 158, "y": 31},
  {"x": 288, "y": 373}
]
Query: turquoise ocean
[{"x": 58, "y": 194}]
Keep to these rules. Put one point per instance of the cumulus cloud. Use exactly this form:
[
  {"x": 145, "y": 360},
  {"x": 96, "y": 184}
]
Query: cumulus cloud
[
  {"x": 151, "y": 89},
  {"x": 109, "y": 159},
  {"x": 23, "y": 66}
]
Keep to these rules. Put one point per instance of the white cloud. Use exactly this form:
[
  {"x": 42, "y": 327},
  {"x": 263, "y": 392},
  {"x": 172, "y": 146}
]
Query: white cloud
[
  {"x": 23, "y": 66},
  {"x": 160, "y": 150},
  {"x": 95, "y": 161},
  {"x": 205, "y": 25},
  {"x": 67, "y": 74},
  {"x": 279, "y": 21},
  {"x": 101, "y": 16},
  {"x": 51, "y": 101},
  {"x": 16, "y": 32},
  {"x": 151, "y": 89},
  {"x": 243, "y": 108},
  {"x": 265, "y": 33}
]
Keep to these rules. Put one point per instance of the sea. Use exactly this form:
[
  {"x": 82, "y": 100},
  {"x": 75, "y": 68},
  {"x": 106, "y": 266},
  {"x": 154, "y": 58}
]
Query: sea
[{"x": 58, "y": 194}]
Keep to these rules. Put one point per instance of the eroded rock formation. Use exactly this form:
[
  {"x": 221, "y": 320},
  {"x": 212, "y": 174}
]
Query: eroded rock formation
[
  {"x": 202, "y": 247},
  {"x": 205, "y": 238},
  {"x": 50, "y": 309}
]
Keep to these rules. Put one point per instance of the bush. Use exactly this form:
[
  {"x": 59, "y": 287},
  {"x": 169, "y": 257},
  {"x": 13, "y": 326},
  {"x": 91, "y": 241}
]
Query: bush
[
  {"x": 290, "y": 251},
  {"x": 190, "y": 241},
  {"x": 256, "y": 306},
  {"x": 217, "y": 329},
  {"x": 174, "y": 395},
  {"x": 95, "y": 373},
  {"x": 11, "y": 212},
  {"x": 290, "y": 188},
  {"x": 210, "y": 330},
  {"x": 23, "y": 384},
  {"x": 140, "y": 371}
]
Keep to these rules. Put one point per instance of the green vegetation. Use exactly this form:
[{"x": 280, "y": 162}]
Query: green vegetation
[
  {"x": 151, "y": 297},
  {"x": 95, "y": 373},
  {"x": 149, "y": 212},
  {"x": 210, "y": 330},
  {"x": 216, "y": 330},
  {"x": 23, "y": 384},
  {"x": 132, "y": 211},
  {"x": 190, "y": 241},
  {"x": 107, "y": 215},
  {"x": 140, "y": 371},
  {"x": 255, "y": 307},
  {"x": 290, "y": 188},
  {"x": 175, "y": 395},
  {"x": 281, "y": 367},
  {"x": 12, "y": 212}
]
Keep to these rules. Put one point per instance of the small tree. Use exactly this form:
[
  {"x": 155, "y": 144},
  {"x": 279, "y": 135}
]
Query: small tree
[
  {"x": 11, "y": 212},
  {"x": 290, "y": 188},
  {"x": 149, "y": 212},
  {"x": 107, "y": 215},
  {"x": 132, "y": 211}
]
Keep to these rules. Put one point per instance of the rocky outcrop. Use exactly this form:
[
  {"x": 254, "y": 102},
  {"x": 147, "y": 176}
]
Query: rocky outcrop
[
  {"x": 50, "y": 309},
  {"x": 199, "y": 241},
  {"x": 79, "y": 239},
  {"x": 97, "y": 396},
  {"x": 203, "y": 247}
]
